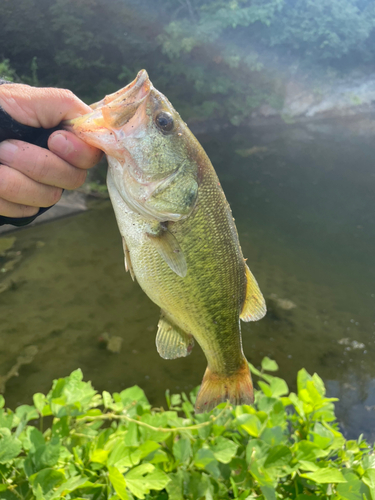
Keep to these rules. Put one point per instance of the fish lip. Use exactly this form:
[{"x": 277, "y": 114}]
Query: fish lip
[
  {"x": 140, "y": 84},
  {"x": 115, "y": 110},
  {"x": 118, "y": 111}
]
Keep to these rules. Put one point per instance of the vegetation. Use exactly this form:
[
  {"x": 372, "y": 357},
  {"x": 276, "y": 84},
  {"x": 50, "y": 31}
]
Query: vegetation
[
  {"x": 214, "y": 58},
  {"x": 118, "y": 447}
]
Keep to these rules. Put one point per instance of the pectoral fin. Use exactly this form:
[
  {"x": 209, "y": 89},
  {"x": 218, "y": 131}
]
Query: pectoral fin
[
  {"x": 171, "y": 341},
  {"x": 254, "y": 307},
  {"x": 128, "y": 262},
  {"x": 169, "y": 249}
]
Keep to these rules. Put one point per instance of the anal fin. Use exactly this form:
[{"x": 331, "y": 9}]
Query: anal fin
[
  {"x": 128, "y": 262},
  {"x": 171, "y": 341},
  {"x": 254, "y": 307},
  {"x": 169, "y": 249}
]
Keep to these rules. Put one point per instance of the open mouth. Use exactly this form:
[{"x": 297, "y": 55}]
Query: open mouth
[{"x": 111, "y": 113}]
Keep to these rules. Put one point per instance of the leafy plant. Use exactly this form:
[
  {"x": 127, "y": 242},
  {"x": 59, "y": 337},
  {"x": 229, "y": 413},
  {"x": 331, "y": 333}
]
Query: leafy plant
[
  {"x": 117, "y": 447},
  {"x": 6, "y": 72}
]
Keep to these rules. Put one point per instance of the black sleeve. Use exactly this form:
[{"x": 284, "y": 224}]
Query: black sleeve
[{"x": 11, "y": 129}]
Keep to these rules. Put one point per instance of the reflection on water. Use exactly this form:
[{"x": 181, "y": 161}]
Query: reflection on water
[{"x": 303, "y": 199}]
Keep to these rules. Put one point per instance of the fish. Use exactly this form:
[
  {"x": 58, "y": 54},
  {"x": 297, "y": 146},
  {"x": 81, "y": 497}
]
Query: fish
[{"x": 179, "y": 237}]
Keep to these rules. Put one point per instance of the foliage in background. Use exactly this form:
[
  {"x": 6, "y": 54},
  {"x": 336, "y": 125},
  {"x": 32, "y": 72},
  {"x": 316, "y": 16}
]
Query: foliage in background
[
  {"x": 117, "y": 447},
  {"x": 217, "y": 59},
  {"x": 6, "y": 72}
]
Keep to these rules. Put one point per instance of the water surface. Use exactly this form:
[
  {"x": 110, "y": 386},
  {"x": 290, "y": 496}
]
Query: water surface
[{"x": 303, "y": 200}]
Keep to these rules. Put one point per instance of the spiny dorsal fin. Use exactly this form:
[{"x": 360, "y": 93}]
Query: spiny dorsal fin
[
  {"x": 171, "y": 341},
  {"x": 254, "y": 307},
  {"x": 169, "y": 249},
  {"x": 128, "y": 262}
]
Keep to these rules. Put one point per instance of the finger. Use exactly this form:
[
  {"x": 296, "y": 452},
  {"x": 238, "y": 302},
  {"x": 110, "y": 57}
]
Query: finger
[
  {"x": 18, "y": 188},
  {"x": 41, "y": 107},
  {"x": 73, "y": 150},
  {"x": 40, "y": 165},
  {"x": 9, "y": 209}
]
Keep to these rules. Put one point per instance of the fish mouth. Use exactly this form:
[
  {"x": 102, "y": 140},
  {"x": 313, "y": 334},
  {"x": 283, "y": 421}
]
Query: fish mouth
[
  {"x": 137, "y": 89},
  {"x": 102, "y": 127}
]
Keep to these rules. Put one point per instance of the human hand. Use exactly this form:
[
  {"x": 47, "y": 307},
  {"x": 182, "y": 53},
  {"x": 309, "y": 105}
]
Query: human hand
[{"x": 32, "y": 177}]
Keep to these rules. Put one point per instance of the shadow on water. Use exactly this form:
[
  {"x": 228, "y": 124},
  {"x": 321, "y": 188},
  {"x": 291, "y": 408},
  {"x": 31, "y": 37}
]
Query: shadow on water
[{"x": 303, "y": 199}]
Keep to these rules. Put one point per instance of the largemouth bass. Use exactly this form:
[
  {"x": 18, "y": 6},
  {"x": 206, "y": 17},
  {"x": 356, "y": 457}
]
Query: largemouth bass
[{"x": 179, "y": 237}]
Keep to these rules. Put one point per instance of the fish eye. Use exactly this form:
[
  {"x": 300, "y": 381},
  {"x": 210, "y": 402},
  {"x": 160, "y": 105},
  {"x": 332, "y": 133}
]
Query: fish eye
[{"x": 164, "y": 121}]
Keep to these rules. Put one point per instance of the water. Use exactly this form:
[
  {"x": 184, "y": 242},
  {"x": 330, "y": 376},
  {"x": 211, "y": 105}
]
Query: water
[{"x": 304, "y": 205}]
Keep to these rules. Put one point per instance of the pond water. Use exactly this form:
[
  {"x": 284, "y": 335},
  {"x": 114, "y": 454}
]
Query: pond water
[{"x": 303, "y": 200}]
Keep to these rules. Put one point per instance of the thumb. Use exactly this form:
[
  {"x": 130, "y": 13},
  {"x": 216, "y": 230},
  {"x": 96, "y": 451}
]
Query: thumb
[{"x": 40, "y": 107}]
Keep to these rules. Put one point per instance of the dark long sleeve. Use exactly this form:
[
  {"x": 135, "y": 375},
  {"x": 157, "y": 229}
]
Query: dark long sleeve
[{"x": 11, "y": 129}]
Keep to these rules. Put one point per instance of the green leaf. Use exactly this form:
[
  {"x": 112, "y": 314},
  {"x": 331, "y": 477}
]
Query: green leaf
[
  {"x": 269, "y": 492},
  {"x": 128, "y": 396},
  {"x": 182, "y": 450},
  {"x": 369, "y": 479},
  {"x": 273, "y": 436},
  {"x": 2, "y": 401},
  {"x": 307, "y": 497},
  {"x": 265, "y": 388},
  {"x": 306, "y": 450},
  {"x": 251, "y": 424},
  {"x": 302, "y": 378},
  {"x": 99, "y": 456},
  {"x": 36, "y": 439},
  {"x": 256, "y": 450},
  {"x": 224, "y": 450},
  {"x": 326, "y": 475},
  {"x": 175, "y": 399},
  {"x": 175, "y": 488},
  {"x": 354, "y": 489},
  {"x": 70, "y": 485},
  {"x": 46, "y": 455},
  {"x": 308, "y": 466},
  {"x": 278, "y": 387},
  {"x": 10, "y": 448},
  {"x": 70, "y": 395},
  {"x": 203, "y": 457},
  {"x": 254, "y": 370},
  {"x": 322, "y": 436},
  {"x": 120, "y": 456},
  {"x": 269, "y": 365},
  {"x": 157, "y": 480},
  {"x": 118, "y": 482},
  {"x": 131, "y": 437},
  {"x": 144, "y": 478},
  {"x": 46, "y": 479},
  {"x": 143, "y": 451},
  {"x": 319, "y": 384},
  {"x": 278, "y": 456},
  {"x": 107, "y": 399},
  {"x": 26, "y": 413},
  {"x": 40, "y": 401},
  {"x": 159, "y": 457}
]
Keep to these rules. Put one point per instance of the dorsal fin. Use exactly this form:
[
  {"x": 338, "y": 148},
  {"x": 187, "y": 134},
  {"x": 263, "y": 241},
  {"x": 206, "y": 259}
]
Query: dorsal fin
[
  {"x": 171, "y": 341},
  {"x": 254, "y": 306}
]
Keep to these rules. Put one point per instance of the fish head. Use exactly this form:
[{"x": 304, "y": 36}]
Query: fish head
[{"x": 152, "y": 154}]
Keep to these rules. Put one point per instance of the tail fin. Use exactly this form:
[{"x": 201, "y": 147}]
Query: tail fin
[{"x": 236, "y": 388}]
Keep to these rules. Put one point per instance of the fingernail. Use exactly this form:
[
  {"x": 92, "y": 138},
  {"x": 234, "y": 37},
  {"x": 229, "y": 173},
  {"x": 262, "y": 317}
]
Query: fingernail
[
  {"x": 60, "y": 145},
  {"x": 7, "y": 152}
]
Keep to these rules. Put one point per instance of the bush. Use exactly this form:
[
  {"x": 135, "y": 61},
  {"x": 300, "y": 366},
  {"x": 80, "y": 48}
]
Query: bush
[{"x": 117, "y": 447}]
